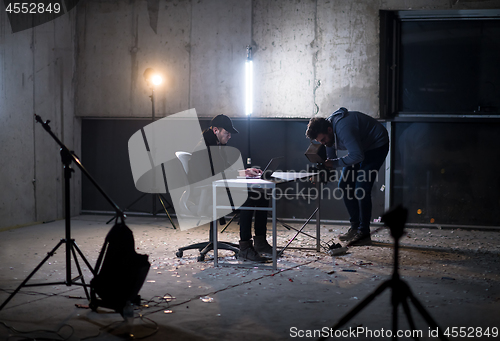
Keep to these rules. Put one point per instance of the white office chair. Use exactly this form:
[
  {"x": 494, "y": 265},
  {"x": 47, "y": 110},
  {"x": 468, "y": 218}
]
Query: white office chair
[
  {"x": 184, "y": 158},
  {"x": 188, "y": 207}
]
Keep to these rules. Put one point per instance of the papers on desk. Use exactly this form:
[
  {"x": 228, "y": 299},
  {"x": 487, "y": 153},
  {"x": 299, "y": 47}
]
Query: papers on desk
[
  {"x": 283, "y": 176},
  {"x": 291, "y": 176},
  {"x": 235, "y": 183}
]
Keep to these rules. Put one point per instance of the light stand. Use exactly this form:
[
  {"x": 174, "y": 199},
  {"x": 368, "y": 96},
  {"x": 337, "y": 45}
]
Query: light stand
[
  {"x": 248, "y": 113},
  {"x": 159, "y": 196},
  {"x": 152, "y": 79},
  {"x": 249, "y": 97},
  {"x": 395, "y": 220},
  {"x": 67, "y": 157}
]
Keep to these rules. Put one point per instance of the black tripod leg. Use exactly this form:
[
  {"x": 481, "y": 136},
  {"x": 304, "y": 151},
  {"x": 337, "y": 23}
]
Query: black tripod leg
[
  {"x": 49, "y": 254},
  {"x": 230, "y": 221},
  {"x": 360, "y": 306},
  {"x": 289, "y": 227},
  {"x": 395, "y": 305},
  {"x": 165, "y": 209},
  {"x": 126, "y": 209},
  {"x": 83, "y": 257},
  {"x": 299, "y": 231},
  {"x": 79, "y": 272},
  {"x": 285, "y": 225},
  {"x": 426, "y": 315},
  {"x": 409, "y": 317},
  {"x": 169, "y": 205}
]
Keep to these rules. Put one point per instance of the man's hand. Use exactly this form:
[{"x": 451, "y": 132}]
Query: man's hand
[
  {"x": 328, "y": 164},
  {"x": 253, "y": 172}
]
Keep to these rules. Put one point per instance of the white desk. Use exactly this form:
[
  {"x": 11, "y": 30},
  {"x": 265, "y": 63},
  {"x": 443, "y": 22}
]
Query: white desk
[{"x": 245, "y": 183}]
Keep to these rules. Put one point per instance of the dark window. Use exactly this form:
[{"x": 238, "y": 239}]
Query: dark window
[{"x": 440, "y": 62}]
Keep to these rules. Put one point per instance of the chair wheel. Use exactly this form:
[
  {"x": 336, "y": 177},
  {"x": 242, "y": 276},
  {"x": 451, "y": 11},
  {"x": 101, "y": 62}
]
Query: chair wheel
[
  {"x": 179, "y": 254},
  {"x": 201, "y": 258}
]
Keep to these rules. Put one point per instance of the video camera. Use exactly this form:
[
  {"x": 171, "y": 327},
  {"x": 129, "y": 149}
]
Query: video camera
[{"x": 316, "y": 153}]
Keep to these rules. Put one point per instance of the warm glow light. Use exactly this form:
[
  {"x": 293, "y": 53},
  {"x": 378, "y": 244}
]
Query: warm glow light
[
  {"x": 249, "y": 87},
  {"x": 156, "y": 79},
  {"x": 152, "y": 78}
]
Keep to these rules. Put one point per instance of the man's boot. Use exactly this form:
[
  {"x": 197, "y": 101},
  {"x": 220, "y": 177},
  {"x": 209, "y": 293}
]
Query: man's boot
[
  {"x": 248, "y": 252},
  {"x": 262, "y": 246},
  {"x": 349, "y": 235},
  {"x": 360, "y": 239}
]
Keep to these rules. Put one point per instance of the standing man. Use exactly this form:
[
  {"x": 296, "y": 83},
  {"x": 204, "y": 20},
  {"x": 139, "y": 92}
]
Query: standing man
[
  {"x": 367, "y": 145},
  {"x": 218, "y": 134}
]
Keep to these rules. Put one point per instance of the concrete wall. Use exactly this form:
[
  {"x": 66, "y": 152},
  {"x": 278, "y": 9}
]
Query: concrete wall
[
  {"x": 310, "y": 56},
  {"x": 37, "y": 73}
]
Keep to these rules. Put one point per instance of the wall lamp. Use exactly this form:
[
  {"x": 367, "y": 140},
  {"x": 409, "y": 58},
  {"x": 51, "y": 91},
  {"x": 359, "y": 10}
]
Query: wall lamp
[
  {"x": 249, "y": 82},
  {"x": 249, "y": 95},
  {"x": 152, "y": 78}
]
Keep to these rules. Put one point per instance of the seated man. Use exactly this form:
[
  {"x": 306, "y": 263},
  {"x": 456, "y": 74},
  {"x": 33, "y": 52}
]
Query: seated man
[{"x": 218, "y": 134}]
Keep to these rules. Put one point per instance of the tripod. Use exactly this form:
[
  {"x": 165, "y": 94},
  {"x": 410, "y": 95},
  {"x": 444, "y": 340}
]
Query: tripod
[
  {"x": 72, "y": 248},
  {"x": 154, "y": 211},
  {"x": 401, "y": 292}
]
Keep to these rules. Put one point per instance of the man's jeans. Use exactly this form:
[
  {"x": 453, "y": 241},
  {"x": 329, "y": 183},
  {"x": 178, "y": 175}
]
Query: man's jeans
[
  {"x": 356, "y": 183},
  {"x": 255, "y": 199}
]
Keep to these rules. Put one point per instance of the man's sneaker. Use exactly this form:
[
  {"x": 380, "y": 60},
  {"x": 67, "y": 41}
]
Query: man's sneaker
[
  {"x": 360, "y": 239},
  {"x": 349, "y": 235}
]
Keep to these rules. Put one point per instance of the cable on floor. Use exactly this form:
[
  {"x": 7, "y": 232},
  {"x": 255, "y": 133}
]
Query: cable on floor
[{"x": 51, "y": 334}]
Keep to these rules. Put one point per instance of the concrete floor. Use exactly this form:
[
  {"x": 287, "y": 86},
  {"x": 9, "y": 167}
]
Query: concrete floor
[{"x": 453, "y": 273}]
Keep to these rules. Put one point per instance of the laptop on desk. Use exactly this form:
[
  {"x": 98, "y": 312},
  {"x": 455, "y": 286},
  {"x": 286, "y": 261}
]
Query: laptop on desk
[{"x": 271, "y": 167}]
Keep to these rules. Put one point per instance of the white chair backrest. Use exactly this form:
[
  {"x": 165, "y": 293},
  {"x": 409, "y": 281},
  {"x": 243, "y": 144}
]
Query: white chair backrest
[{"x": 184, "y": 158}]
